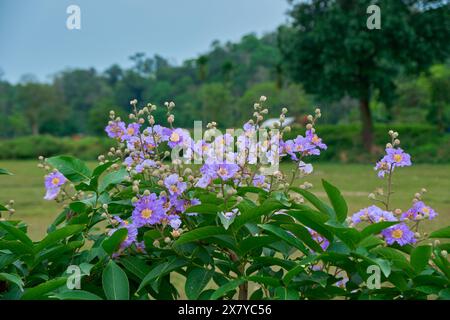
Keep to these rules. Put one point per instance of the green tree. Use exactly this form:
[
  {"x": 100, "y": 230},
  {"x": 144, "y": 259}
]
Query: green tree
[
  {"x": 39, "y": 103},
  {"x": 329, "y": 48},
  {"x": 216, "y": 102}
]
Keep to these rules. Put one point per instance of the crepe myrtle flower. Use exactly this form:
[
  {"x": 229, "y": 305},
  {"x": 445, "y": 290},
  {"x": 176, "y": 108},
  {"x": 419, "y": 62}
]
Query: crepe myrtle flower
[
  {"x": 259, "y": 180},
  {"x": 174, "y": 185},
  {"x": 131, "y": 131},
  {"x": 395, "y": 157},
  {"x": 148, "y": 210},
  {"x": 175, "y": 137},
  {"x": 418, "y": 211},
  {"x": 305, "y": 168},
  {"x": 132, "y": 232},
  {"x": 174, "y": 221},
  {"x": 323, "y": 242},
  {"x": 399, "y": 233},
  {"x": 372, "y": 214},
  {"x": 53, "y": 183},
  {"x": 315, "y": 140},
  {"x": 115, "y": 129},
  {"x": 147, "y": 163}
]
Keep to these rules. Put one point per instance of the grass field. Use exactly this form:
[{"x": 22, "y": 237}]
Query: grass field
[{"x": 26, "y": 187}]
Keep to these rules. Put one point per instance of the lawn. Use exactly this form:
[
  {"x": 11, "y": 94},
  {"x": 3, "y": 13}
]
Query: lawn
[{"x": 356, "y": 181}]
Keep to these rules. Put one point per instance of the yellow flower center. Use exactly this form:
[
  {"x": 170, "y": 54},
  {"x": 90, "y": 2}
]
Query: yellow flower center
[
  {"x": 174, "y": 137},
  {"x": 146, "y": 213},
  {"x": 55, "y": 181},
  {"x": 130, "y": 131},
  {"x": 222, "y": 171},
  {"x": 426, "y": 210},
  {"x": 398, "y": 157},
  {"x": 397, "y": 234},
  {"x": 315, "y": 139},
  {"x": 173, "y": 188}
]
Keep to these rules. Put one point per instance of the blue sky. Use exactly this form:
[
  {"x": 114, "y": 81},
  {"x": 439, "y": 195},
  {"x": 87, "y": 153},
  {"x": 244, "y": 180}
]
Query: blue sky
[{"x": 34, "y": 38}]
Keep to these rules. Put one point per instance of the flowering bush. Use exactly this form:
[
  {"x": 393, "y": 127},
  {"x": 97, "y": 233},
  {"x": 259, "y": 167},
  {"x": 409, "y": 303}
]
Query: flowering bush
[{"x": 164, "y": 215}]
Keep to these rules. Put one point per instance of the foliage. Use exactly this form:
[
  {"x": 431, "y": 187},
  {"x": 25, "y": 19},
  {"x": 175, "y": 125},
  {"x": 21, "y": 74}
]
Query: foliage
[{"x": 226, "y": 230}]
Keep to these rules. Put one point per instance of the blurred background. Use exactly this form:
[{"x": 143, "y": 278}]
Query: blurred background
[{"x": 214, "y": 59}]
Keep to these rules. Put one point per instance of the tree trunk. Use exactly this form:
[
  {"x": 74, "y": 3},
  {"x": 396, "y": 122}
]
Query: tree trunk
[
  {"x": 35, "y": 128},
  {"x": 367, "y": 125}
]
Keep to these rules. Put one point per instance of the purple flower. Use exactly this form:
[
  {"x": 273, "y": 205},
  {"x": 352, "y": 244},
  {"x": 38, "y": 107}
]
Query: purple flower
[
  {"x": 323, "y": 242},
  {"x": 226, "y": 170},
  {"x": 305, "y": 168},
  {"x": 372, "y": 214},
  {"x": 174, "y": 222},
  {"x": 115, "y": 129},
  {"x": 175, "y": 137},
  {"x": 53, "y": 183},
  {"x": 419, "y": 209},
  {"x": 259, "y": 180},
  {"x": 393, "y": 158},
  {"x": 315, "y": 140},
  {"x": 399, "y": 233},
  {"x": 147, "y": 163},
  {"x": 132, "y": 131},
  {"x": 132, "y": 232},
  {"x": 148, "y": 210},
  {"x": 174, "y": 185},
  {"x": 397, "y": 157}
]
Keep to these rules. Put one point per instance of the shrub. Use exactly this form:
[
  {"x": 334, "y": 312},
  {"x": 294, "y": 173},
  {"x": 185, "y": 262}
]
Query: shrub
[{"x": 222, "y": 227}]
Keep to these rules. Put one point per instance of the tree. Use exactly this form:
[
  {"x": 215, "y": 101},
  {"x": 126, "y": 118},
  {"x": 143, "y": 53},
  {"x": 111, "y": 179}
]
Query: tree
[
  {"x": 38, "y": 103},
  {"x": 329, "y": 48}
]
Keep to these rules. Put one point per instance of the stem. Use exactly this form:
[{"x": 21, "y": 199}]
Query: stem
[{"x": 389, "y": 188}]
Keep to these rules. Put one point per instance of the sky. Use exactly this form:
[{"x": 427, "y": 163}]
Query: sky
[{"x": 34, "y": 38}]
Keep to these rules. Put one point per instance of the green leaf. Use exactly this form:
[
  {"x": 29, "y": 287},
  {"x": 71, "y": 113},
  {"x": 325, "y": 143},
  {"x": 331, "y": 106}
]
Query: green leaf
[
  {"x": 72, "y": 168},
  {"x": 337, "y": 201},
  {"x": 251, "y": 214},
  {"x": 4, "y": 171},
  {"x": 3, "y": 208},
  {"x": 14, "y": 278},
  {"x": 314, "y": 220},
  {"x": 377, "y": 228},
  {"x": 57, "y": 235},
  {"x": 292, "y": 273},
  {"x": 16, "y": 233},
  {"x": 282, "y": 234},
  {"x": 229, "y": 286},
  {"x": 196, "y": 281},
  {"x": 204, "y": 208},
  {"x": 226, "y": 222},
  {"x": 316, "y": 202},
  {"x": 79, "y": 207},
  {"x": 42, "y": 290},
  {"x": 200, "y": 233},
  {"x": 16, "y": 247},
  {"x": 267, "y": 281},
  {"x": 254, "y": 242},
  {"x": 75, "y": 295},
  {"x": 396, "y": 257},
  {"x": 113, "y": 178},
  {"x": 112, "y": 243},
  {"x": 441, "y": 233},
  {"x": 161, "y": 270},
  {"x": 115, "y": 282},
  {"x": 419, "y": 257},
  {"x": 303, "y": 234},
  {"x": 444, "y": 294},
  {"x": 136, "y": 266}
]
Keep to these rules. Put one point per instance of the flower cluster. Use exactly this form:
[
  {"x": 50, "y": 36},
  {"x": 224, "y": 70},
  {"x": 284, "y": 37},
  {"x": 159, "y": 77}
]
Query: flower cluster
[
  {"x": 400, "y": 233},
  {"x": 395, "y": 157}
]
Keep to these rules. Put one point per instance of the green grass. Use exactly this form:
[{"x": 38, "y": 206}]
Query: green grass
[{"x": 26, "y": 187}]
